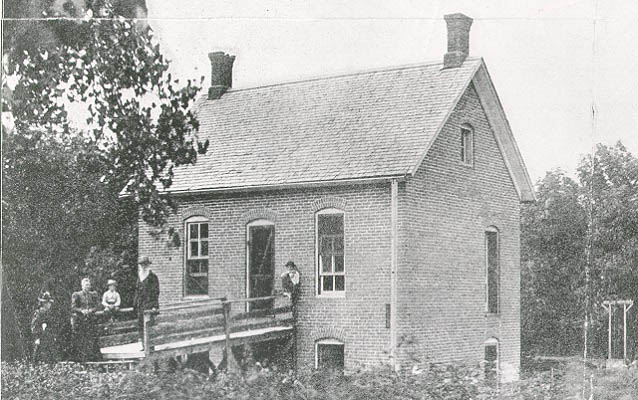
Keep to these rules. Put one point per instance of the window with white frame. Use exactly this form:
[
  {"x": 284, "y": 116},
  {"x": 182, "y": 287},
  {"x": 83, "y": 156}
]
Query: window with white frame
[
  {"x": 492, "y": 259},
  {"x": 196, "y": 278},
  {"x": 490, "y": 367},
  {"x": 329, "y": 355},
  {"x": 467, "y": 145},
  {"x": 330, "y": 252}
]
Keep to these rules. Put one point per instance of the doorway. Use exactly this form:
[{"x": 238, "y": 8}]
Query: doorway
[{"x": 260, "y": 263}]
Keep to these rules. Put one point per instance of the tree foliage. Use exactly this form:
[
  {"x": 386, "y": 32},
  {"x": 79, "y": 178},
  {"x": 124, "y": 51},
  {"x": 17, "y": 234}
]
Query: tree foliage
[
  {"x": 119, "y": 81},
  {"x": 597, "y": 214},
  {"x": 95, "y": 112}
]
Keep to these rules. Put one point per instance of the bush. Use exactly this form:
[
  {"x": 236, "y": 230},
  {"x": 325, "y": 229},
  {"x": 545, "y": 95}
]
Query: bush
[{"x": 430, "y": 382}]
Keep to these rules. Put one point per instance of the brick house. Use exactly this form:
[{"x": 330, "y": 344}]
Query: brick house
[{"x": 396, "y": 192}]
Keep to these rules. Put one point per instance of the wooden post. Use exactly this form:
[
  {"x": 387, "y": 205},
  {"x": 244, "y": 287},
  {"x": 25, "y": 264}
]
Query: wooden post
[
  {"x": 630, "y": 304},
  {"x": 146, "y": 334},
  {"x": 624, "y": 330},
  {"x": 609, "y": 332},
  {"x": 228, "y": 353}
]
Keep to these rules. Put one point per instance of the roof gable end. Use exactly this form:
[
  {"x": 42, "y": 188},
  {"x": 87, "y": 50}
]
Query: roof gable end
[{"x": 495, "y": 115}]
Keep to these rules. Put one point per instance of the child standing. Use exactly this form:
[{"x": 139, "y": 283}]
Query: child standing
[{"x": 111, "y": 299}]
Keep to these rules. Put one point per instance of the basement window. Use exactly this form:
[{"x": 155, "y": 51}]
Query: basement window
[
  {"x": 196, "y": 279},
  {"x": 329, "y": 355},
  {"x": 492, "y": 259},
  {"x": 467, "y": 145},
  {"x": 330, "y": 252},
  {"x": 490, "y": 368}
]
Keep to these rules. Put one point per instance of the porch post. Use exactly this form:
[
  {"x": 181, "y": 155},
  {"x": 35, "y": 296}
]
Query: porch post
[{"x": 146, "y": 333}]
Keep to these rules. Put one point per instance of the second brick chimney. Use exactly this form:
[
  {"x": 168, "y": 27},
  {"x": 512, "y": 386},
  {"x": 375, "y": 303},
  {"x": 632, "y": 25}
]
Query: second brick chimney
[
  {"x": 458, "y": 39},
  {"x": 221, "y": 74}
]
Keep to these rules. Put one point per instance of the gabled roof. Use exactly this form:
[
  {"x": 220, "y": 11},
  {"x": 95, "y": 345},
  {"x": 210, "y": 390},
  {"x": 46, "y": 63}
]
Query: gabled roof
[{"x": 363, "y": 126}]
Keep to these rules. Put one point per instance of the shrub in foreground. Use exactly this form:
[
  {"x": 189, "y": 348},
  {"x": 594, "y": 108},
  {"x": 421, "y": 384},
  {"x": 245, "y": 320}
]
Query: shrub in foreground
[{"x": 73, "y": 381}]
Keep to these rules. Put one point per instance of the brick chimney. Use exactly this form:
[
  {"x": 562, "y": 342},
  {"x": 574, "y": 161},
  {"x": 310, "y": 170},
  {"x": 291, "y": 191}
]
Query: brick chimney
[
  {"x": 221, "y": 74},
  {"x": 458, "y": 39}
]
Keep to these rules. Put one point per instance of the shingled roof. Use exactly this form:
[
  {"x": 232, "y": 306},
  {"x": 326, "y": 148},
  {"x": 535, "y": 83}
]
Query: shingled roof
[{"x": 365, "y": 125}]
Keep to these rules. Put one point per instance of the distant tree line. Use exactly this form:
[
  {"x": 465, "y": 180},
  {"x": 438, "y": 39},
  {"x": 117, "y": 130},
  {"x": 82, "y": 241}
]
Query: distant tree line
[{"x": 587, "y": 222}]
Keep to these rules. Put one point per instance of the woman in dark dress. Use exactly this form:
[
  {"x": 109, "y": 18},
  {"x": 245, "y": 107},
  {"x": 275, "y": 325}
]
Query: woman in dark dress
[
  {"x": 84, "y": 304},
  {"x": 43, "y": 330}
]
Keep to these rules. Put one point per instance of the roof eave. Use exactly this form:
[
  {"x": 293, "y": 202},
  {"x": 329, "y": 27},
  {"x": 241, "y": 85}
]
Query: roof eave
[
  {"x": 283, "y": 186},
  {"x": 497, "y": 118}
]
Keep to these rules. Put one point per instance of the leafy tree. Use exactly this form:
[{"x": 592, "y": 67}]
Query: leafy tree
[
  {"x": 553, "y": 244},
  {"x": 95, "y": 110},
  {"x": 597, "y": 215}
]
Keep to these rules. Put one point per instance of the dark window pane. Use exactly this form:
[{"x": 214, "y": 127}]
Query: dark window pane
[
  {"x": 193, "y": 267},
  {"x": 194, "y": 249},
  {"x": 204, "y": 248},
  {"x": 491, "y": 366},
  {"x": 327, "y": 283},
  {"x": 325, "y": 245},
  {"x": 340, "y": 283},
  {"x": 330, "y": 356},
  {"x": 492, "y": 271},
  {"x": 193, "y": 231},
  {"x": 330, "y": 224},
  {"x": 197, "y": 277},
  {"x": 203, "y": 230},
  {"x": 338, "y": 263},
  {"x": 338, "y": 245},
  {"x": 326, "y": 263}
]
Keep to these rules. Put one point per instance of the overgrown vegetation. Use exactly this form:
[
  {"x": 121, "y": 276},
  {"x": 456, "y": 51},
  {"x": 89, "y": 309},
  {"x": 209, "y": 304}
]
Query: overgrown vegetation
[{"x": 432, "y": 381}]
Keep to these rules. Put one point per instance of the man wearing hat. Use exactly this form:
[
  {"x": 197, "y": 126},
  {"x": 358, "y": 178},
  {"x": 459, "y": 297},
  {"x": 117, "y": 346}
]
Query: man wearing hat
[
  {"x": 42, "y": 330},
  {"x": 147, "y": 292},
  {"x": 111, "y": 299}
]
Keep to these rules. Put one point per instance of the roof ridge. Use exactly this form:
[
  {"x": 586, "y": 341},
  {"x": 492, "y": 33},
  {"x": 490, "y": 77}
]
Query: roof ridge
[{"x": 344, "y": 74}]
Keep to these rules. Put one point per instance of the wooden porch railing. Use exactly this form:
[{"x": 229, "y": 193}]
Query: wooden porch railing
[{"x": 185, "y": 327}]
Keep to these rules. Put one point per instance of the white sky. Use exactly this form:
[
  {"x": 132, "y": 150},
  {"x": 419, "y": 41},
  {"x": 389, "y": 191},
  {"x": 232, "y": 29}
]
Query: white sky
[{"x": 550, "y": 60}]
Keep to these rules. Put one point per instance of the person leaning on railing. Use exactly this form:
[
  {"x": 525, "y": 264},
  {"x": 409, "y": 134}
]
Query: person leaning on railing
[{"x": 291, "y": 283}]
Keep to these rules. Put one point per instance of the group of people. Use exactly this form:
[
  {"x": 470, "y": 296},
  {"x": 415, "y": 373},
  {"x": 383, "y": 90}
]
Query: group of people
[{"x": 85, "y": 305}]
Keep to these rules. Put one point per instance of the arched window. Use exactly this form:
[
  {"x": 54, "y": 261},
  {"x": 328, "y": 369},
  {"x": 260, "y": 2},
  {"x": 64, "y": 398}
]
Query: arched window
[
  {"x": 492, "y": 270},
  {"x": 329, "y": 354},
  {"x": 491, "y": 361},
  {"x": 330, "y": 250},
  {"x": 196, "y": 265},
  {"x": 467, "y": 144}
]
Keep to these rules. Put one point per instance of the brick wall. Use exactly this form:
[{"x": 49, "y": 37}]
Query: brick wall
[
  {"x": 443, "y": 213},
  {"x": 358, "y": 319}
]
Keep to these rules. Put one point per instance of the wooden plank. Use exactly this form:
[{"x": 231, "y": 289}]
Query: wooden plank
[
  {"x": 122, "y": 338},
  {"x": 190, "y": 303},
  {"x": 262, "y": 337},
  {"x": 119, "y": 325},
  {"x": 121, "y": 311},
  {"x": 189, "y": 335},
  {"x": 253, "y": 299},
  {"x": 260, "y": 324},
  {"x": 189, "y": 313},
  {"x": 261, "y": 313},
  {"x": 206, "y": 322}
]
